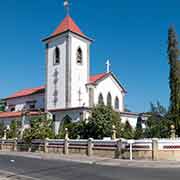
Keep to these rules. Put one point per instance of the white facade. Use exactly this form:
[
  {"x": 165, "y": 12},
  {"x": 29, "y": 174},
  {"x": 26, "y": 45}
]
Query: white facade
[
  {"x": 25, "y": 102},
  {"x": 66, "y": 80},
  {"x": 79, "y": 72},
  {"x": 61, "y": 43},
  {"x": 109, "y": 85}
]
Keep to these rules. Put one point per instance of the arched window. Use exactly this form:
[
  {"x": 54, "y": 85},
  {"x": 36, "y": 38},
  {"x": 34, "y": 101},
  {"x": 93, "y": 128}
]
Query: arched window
[
  {"x": 100, "y": 99},
  {"x": 109, "y": 99},
  {"x": 116, "y": 104},
  {"x": 79, "y": 56},
  {"x": 56, "y": 56}
]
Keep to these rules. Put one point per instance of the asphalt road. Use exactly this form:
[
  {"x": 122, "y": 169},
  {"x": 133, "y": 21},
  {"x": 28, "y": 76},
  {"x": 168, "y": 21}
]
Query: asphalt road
[{"x": 62, "y": 170}]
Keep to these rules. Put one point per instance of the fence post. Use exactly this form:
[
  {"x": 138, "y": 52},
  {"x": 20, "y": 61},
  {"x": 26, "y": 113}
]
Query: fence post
[
  {"x": 46, "y": 145},
  {"x": 15, "y": 144},
  {"x": 113, "y": 132},
  {"x": 119, "y": 149},
  {"x": 66, "y": 146},
  {"x": 90, "y": 147},
  {"x": 154, "y": 149},
  {"x": 66, "y": 143},
  {"x": 173, "y": 132},
  {"x": 2, "y": 145}
]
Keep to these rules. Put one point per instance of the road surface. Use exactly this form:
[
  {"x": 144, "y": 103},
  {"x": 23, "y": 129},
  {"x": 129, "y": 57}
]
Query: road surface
[{"x": 23, "y": 168}]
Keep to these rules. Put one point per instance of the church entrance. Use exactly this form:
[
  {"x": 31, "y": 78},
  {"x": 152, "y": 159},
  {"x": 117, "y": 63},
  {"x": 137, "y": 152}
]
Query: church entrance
[{"x": 66, "y": 121}]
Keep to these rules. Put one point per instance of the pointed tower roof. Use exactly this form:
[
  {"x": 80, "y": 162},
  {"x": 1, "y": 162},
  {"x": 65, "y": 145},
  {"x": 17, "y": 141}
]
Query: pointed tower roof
[{"x": 67, "y": 24}]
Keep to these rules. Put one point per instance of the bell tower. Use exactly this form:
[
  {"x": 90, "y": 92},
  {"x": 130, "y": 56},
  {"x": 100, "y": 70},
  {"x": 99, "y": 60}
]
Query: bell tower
[{"x": 67, "y": 67}]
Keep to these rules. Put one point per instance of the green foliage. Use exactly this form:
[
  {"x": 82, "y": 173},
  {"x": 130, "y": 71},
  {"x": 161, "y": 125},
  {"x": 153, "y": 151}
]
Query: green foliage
[
  {"x": 174, "y": 78},
  {"x": 75, "y": 130},
  {"x": 128, "y": 132},
  {"x": 41, "y": 128},
  {"x": 2, "y": 106},
  {"x": 101, "y": 121},
  {"x": 158, "y": 123},
  {"x": 139, "y": 129},
  {"x": 2, "y": 128},
  {"x": 98, "y": 125},
  {"x": 13, "y": 132}
]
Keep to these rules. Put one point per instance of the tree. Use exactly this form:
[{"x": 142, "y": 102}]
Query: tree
[
  {"x": 41, "y": 128},
  {"x": 174, "y": 78},
  {"x": 128, "y": 132},
  {"x": 2, "y": 106},
  {"x": 98, "y": 125},
  {"x": 158, "y": 123},
  {"x": 2, "y": 128},
  {"x": 139, "y": 129},
  {"x": 101, "y": 121},
  {"x": 13, "y": 132}
]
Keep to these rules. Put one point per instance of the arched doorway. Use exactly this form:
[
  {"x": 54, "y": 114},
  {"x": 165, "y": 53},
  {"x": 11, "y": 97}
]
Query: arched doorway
[{"x": 64, "y": 124}]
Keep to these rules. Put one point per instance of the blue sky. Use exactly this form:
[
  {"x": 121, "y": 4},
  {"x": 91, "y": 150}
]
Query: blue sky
[{"x": 133, "y": 34}]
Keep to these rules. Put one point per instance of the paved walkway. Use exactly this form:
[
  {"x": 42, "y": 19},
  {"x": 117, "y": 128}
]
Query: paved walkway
[{"x": 98, "y": 160}]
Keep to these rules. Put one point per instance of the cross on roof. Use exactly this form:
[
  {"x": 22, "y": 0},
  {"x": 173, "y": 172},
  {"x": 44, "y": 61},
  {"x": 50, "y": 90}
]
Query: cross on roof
[
  {"x": 67, "y": 6},
  {"x": 108, "y": 65}
]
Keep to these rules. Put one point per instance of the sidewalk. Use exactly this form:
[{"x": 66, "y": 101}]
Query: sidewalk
[{"x": 97, "y": 160}]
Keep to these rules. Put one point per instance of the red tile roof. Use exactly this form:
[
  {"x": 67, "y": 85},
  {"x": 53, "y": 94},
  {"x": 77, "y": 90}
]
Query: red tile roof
[
  {"x": 16, "y": 114},
  {"x": 67, "y": 24},
  {"x": 95, "y": 78},
  {"x": 26, "y": 92}
]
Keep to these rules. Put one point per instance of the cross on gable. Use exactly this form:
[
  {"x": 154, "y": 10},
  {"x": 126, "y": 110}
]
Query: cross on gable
[
  {"x": 108, "y": 65},
  {"x": 67, "y": 6}
]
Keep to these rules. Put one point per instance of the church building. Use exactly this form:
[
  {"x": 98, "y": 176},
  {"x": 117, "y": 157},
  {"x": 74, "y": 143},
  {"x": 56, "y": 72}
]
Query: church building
[{"x": 70, "y": 91}]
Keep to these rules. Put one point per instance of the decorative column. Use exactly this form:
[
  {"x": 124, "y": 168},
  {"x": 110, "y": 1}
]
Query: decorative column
[
  {"x": 66, "y": 134},
  {"x": 154, "y": 149},
  {"x": 66, "y": 143},
  {"x": 113, "y": 132},
  {"x": 90, "y": 147},
  {"x": 5, "y": 135},
  {"x": 131, "y": 142},
  {"x": 173, "y": 132},
  {"x": 119, "y": 149},
  {"x": 46, "y": 145},
  {"x": 2, "y": 145},
  {"x": 15, "y": 144}
]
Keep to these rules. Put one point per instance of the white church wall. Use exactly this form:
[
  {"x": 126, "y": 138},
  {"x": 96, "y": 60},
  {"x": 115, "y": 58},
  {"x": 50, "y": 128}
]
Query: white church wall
[
  {"x": 79, "y": 73},
  {"x": 51, "y": 68},
  {"x": 21, "y": 102},
  {"x": 109, "y": 85},
  {"x": 132, "y": 119}
]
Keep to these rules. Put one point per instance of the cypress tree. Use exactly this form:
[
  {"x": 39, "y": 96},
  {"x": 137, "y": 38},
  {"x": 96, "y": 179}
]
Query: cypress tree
[
  {"x": 139, "y": 129},
  {"x": 174, "y": 78}
]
